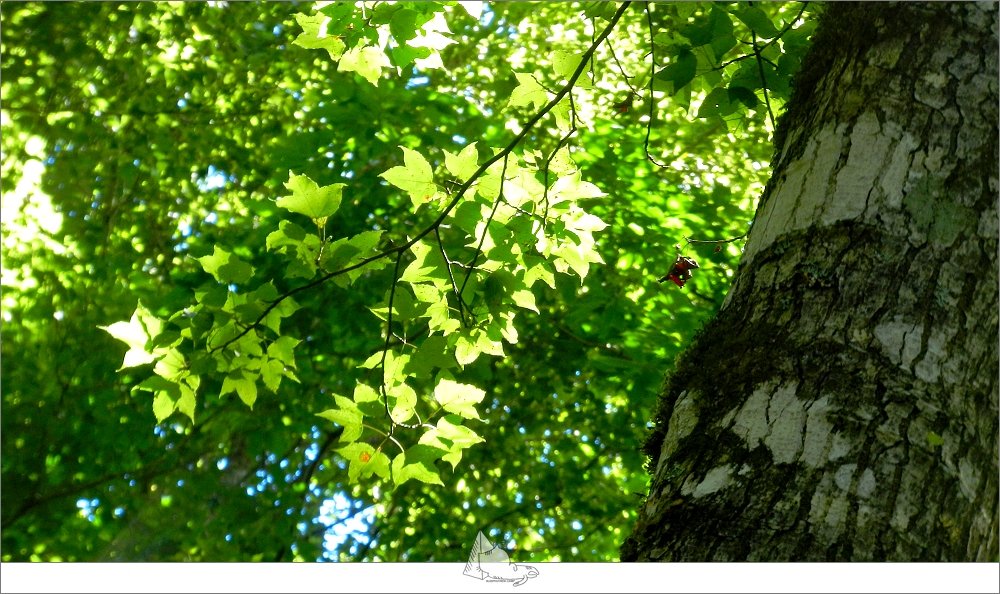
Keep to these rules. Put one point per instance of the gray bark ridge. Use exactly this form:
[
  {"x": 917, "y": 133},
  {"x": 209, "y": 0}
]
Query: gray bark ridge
[{"x": 843, "y": 405}]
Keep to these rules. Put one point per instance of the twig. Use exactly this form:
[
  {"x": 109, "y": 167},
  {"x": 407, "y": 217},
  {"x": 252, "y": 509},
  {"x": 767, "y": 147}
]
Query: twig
[
  {"x": 652, "y": 100},
  {"x": 451, "y": 277}
]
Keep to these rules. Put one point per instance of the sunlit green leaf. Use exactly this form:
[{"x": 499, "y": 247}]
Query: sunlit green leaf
[
  {"x": 310, "y": 199},
  {"x": 458, "y": 398},
  {"x": 415, "y": 177}
]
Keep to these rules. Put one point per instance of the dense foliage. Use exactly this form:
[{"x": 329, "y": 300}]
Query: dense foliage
[{"x": 386, "y": 272}]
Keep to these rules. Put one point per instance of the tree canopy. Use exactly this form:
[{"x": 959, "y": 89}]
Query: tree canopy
[{"x": 354, "y": 281}]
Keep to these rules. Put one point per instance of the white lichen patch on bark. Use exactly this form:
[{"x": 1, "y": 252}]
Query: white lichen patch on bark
[
  {"x": 683, "y": 420},
  {"x": 842, "y": 477},
  {"x": 776, "y": 417},
  {"x": 751, "y": 420},
  {"x": 866, "y": 483},
  {"x": 870, "y": 148},
  {"x": 968, "y": 477},
  {"x": 795, "y": 202},
  {"x": 715, "y": 480},
  {"x": 900, "y": 340},
  {"x": 787, "y": 416},
  {"x": 828, "y": 510},
  {"x": 817, "y": 434}
]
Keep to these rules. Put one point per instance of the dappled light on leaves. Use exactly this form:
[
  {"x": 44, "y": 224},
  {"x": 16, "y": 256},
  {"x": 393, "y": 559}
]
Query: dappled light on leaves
[{"x": 422, "y": 278}]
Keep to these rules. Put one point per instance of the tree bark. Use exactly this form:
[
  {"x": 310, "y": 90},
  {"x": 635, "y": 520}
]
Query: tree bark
[{"x": 843, "y": 404}]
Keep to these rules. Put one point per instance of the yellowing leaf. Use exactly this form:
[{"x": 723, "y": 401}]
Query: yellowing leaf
[
  {"x": 458, "y": 398},
  {"x": 310, "y": 199},
  {"x": 571, "y": 187},
  {"x": 364, "y": 461},
  {"x": 452, "y": 438},
  {"x": 526, "y": 299},
  {"x": 366, "y": 60}
]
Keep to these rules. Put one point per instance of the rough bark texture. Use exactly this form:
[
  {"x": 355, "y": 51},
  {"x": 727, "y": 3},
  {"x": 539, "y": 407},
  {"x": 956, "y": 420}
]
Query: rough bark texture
[{"x": 843, "y": 405}]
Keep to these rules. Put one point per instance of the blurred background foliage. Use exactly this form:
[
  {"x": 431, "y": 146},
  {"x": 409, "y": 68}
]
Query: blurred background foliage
[{"x": 138, "y": 136}]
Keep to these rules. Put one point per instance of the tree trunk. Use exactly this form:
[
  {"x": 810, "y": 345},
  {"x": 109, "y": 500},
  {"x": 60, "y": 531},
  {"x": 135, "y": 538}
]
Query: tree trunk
[{"x": 843, "y": 404}]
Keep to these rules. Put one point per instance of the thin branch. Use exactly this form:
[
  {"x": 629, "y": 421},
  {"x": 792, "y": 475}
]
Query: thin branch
[
  {"x": 652, "y": 99},
  {"x": 451, "y": 277},
  {"x": 774, "y": 39},
  {"x": 486, "y": 228},
  {"x": 388, "y": 338},
  {"x": 716, "y": 241},
  {"x": 763, "y": 79},
  {"x": 548, "y": 161},
  {"x": 621, "y": 69},
  {"x": 502, "y": 154}
]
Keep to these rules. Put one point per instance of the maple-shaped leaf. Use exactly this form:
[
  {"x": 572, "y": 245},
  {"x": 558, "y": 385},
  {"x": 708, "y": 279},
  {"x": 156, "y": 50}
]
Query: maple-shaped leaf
[
  {"x": 310, "y": 199},
  {"x": 314, "y": 35},
  {"x": 415, "y": 176},
  {"x": 367, "y": 61}
]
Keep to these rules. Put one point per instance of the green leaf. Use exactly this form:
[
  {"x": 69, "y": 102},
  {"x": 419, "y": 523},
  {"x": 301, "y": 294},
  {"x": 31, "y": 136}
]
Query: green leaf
[
  {"x": 348, "y": 416},
  {"x": 432, "y": 354},
  {"x": 744, "y": 96},
  {"x": 759, "y": 22},
  {"x": 571, "y": 188},
  {"x": 680, "y": 71},
  {"x": 288, "y": 234},
  {"x": 163, "y": 406},
  {"x": 428, "y": 265},
  {"x": 717, "y": 103},
  {"x": 244, "y": 386},
  {"x": 156, "y": 383},
  {"x": 225, "y": 267},
  {"x": 283, "y": 349},
  {"x": 314, "y": 35},
  {"x": 403, "y": 55},
  {"x": 343, "y": 252},
  {"x": 285, "y": 308},
  {"x": 451, "y": 436},
  {"x": 417, "y": 463},
  {"x": 528, "y": 92},
  {"x": 415, "y": 177},
  {"x": 525, "y": 298},
  {"x": 565, "y": 63},
  {"x": 271, "y": 373},
  {"x": 367, "y": 61},
  {"x": 187, "y": 401},
  {"x": 136, "y": 333},
  {"x": 172, "y": 365},
  {"x": 403, "y": 400},
  {"x": 458, "y": 398},
  {"x": 464, "y": 164},
  {"x": 309, "y": 199},
  {"x": 466, "y": 350},
  {"x": 537, "y": 269},
  {"x": 364, "y": 461}
]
